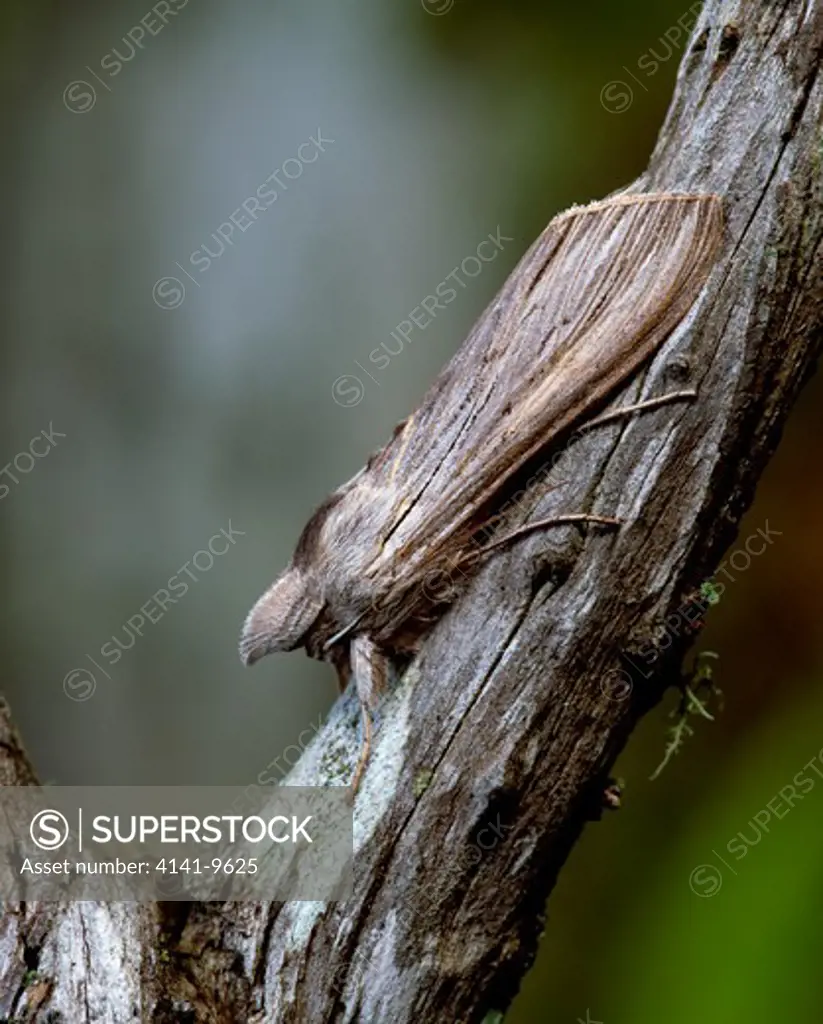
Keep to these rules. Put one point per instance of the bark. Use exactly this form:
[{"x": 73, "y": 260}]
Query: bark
[{"x": 494, "y": 748}]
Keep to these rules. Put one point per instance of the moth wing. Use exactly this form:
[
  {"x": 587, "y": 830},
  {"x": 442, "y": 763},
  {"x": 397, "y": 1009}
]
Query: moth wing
[{"x": 594, "y": 297}]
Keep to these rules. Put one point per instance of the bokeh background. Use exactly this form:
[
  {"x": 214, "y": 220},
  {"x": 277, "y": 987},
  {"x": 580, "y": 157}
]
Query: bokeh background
[{"x": 448, "y": 120}]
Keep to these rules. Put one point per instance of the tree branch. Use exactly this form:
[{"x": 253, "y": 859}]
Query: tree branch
[{"x": 494, "y": 748}]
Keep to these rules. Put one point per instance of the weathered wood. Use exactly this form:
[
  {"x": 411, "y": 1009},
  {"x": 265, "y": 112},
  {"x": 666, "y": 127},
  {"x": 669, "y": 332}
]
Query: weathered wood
[{"x": 494, "y": 747}]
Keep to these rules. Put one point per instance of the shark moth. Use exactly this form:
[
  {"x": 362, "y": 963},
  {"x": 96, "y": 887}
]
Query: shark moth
[{"x": 592, "y": 300}]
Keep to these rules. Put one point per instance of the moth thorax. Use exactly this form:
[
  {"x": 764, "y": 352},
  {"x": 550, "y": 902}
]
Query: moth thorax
[{"x": 281, "y": 618}]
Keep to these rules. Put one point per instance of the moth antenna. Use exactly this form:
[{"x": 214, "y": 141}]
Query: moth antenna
[{"x": 344, "y": 632}]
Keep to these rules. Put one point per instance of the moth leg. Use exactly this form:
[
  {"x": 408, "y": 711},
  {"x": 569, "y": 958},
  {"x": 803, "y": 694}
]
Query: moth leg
[
  {"x": 370, "y": 668},
  {"x": 630, "y": 410},
  {"x": 598, "y": 421},
  {"x": 544, "y": 524}
]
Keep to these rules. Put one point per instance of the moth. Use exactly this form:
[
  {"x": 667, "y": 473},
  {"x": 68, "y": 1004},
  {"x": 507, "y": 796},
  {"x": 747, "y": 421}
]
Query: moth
[{"x": 593, "y": 299}]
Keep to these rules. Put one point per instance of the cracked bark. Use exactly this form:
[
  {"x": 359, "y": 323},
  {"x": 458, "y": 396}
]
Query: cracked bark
[{"x": 495, "y": 745}]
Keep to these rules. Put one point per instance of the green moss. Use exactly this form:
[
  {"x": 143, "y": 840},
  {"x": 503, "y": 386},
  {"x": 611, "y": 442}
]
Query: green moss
[
  {"x": 697, "y": 690},
  {"x": 422, "y": 781}
]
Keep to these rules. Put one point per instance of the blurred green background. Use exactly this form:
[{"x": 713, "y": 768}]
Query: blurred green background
[{"x": 447, "y": 123}]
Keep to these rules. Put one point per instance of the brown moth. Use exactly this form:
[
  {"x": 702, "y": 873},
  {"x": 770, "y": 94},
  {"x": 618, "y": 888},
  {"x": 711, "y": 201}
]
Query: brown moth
[{"x": 596, "y": 295}]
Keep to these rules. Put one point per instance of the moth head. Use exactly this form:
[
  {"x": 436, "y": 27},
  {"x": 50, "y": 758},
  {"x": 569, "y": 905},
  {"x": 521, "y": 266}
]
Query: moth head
[{"x": 282, "y": 617}]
